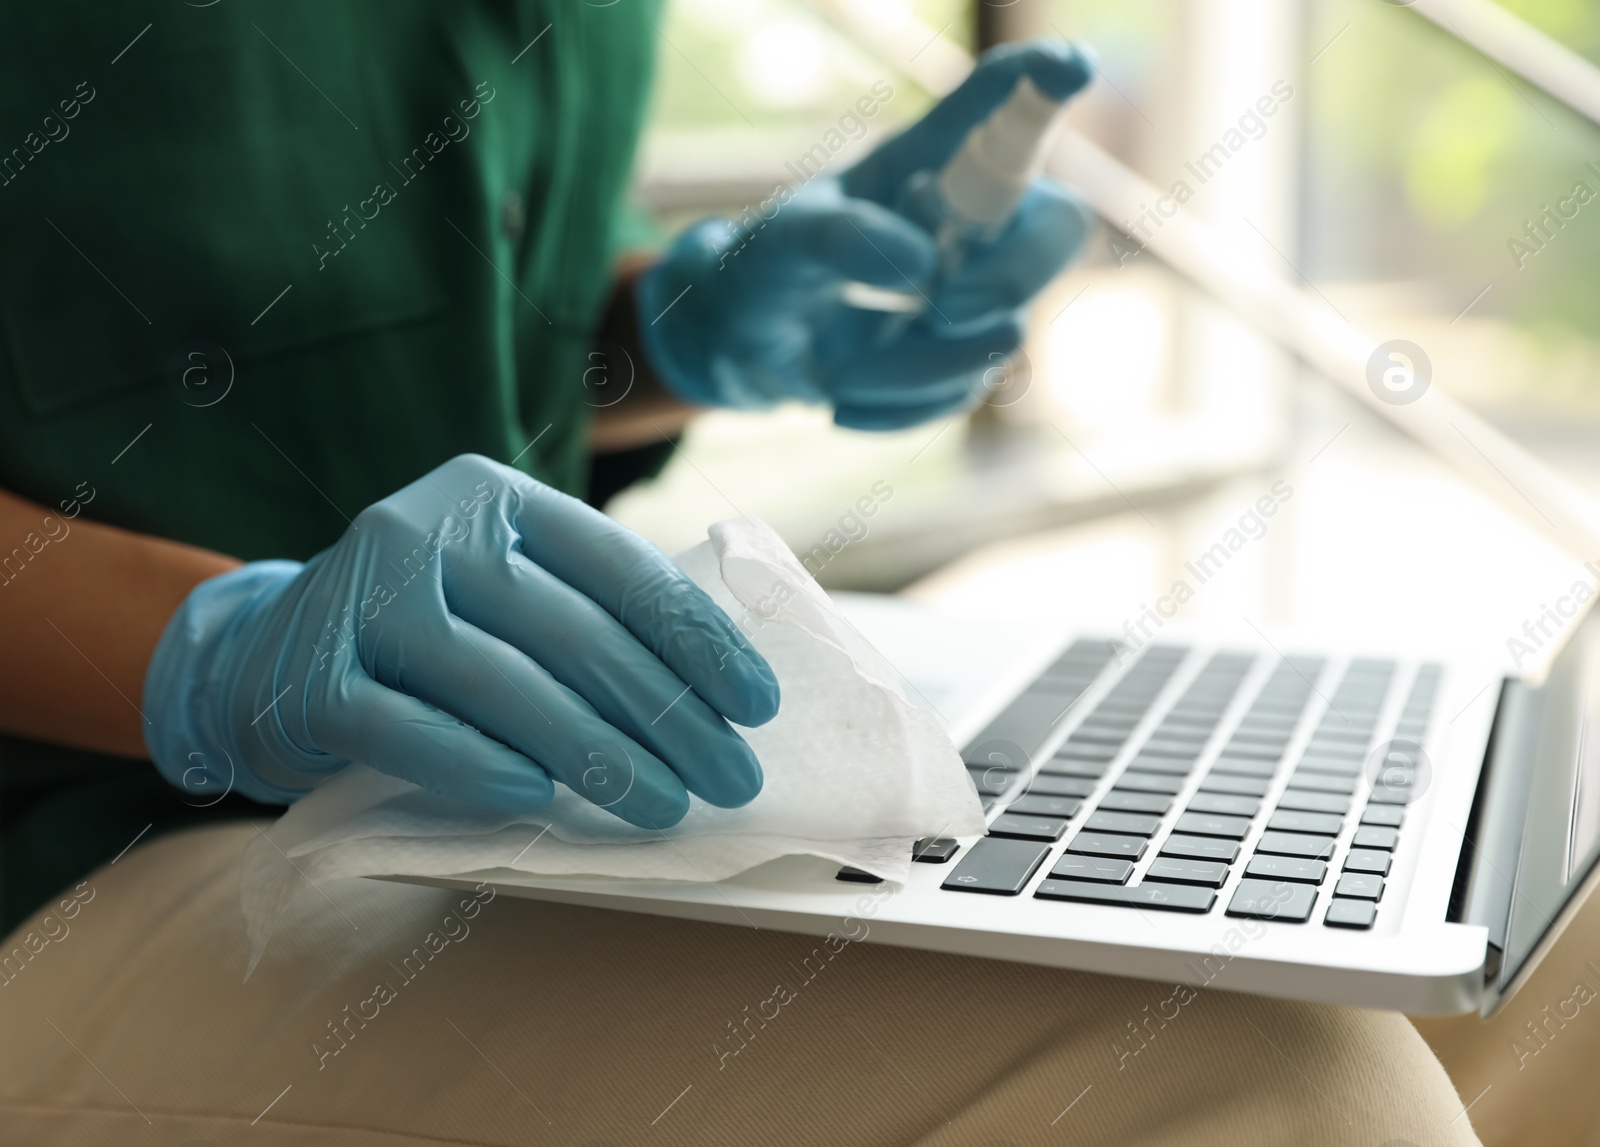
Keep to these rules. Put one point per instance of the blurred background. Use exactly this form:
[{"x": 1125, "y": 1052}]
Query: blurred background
[{"x": 1144, "y": 419}]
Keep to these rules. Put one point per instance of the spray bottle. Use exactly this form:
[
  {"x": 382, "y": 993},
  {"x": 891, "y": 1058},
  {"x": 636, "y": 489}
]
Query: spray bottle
[{"x": 968, "y": 203}]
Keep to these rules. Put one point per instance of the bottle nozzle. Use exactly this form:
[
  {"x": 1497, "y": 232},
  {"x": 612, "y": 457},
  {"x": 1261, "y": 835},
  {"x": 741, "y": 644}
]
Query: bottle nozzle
[{"x": 985, "y": 179}]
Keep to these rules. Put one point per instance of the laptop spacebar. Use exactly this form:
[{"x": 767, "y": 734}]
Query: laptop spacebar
[{"x": 1170, "y": 897}]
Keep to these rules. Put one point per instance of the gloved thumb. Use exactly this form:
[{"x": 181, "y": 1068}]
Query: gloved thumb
[
  {"x": 859, "y": 241},
  {"x": 1058, "y": 68}
]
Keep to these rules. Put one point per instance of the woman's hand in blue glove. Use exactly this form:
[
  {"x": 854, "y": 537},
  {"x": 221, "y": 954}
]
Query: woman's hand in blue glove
[
  {"x": 479, "y": 634},
  {"x": 747, "y": 314}
]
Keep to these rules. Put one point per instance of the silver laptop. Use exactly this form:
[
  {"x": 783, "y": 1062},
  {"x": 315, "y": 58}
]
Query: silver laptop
[{"x": 1379, "y": 831}]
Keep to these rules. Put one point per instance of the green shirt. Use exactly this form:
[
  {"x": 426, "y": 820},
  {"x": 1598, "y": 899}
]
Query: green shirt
[
  {"x": 262, "y": 265},
  {"x": 298, "y": 254}
]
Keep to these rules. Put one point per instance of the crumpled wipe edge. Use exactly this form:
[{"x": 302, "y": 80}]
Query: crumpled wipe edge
[{"x": 269, "y": 880}]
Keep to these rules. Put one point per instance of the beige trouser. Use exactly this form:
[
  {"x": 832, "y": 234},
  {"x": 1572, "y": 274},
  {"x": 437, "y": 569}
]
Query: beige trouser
[
  {"x": 391, "y": 1014},
  {"x": 1532, "y": 1071}
]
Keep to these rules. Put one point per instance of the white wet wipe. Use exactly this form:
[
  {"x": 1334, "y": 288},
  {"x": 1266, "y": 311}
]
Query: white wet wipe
[{"x": 855, "y": 772}]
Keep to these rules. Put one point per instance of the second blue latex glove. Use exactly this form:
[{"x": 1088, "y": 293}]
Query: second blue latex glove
[
  {"x": 477, "y": 633},
  {"x": 742, "y": 319}
]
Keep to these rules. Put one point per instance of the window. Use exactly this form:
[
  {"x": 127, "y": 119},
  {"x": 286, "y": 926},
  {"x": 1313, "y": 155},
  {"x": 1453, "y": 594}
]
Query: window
[{"x": 1350, "y": 145}]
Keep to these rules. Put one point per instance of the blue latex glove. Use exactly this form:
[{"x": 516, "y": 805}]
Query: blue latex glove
[
  {"x": 742, "y": 319},
  {"x": 477, "y": 633}
]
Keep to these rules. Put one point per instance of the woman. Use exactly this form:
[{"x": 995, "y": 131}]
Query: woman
[{"x": 286, "y": 285}]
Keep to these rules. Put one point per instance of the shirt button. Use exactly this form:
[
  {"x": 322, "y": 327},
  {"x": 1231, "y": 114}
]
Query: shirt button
[{"x": 512, "y": 216}]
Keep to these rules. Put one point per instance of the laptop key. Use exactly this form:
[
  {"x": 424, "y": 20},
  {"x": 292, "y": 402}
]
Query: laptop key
[
  {"x": 1172, "y": 747},
  {"x": 1131, "y": 708},
  {"x": 1196, "y": 712},
  {"x": 1086, "y": 750},
  {"x": 1296, "y": 844},
  {"x": 1036, "y": 805},
  {"x": 1273, "y": 900},
  {"x": 1115, "y": 726},
  {"x": 1200, "y": 848},
  {"x": 1322, "y": 758},
  {"x": 857, "y": 876},
  {"x": 1101, "y": 869},
  {"x": 1210, "y": 873},
  {"x": 1323, "y": 782},
  {"x": 1021, "y": 827},
  {"x": 934, "y": 850},
  {"x": 1149, "y": 783},
  {"x": 1190, "y": 733},
  {"x": 1188, "y": 723},
  {"x": 1253, "y": 749},
  {"x": 1239, "y": 786},
  {"x": 1103, "y": 735},
  {"x": 1383, "y": 794},
  {"x": 1172, "y": 766},
  {"x": 1337, "y": 734},
  {"x": 1224, "y": 803},
  {"x": 1108, "y": 844},
  {"x": 1287, "y": 868},
  {"x": 1025, "y": 724},
  {"x": 1351, "y": 914},
  {"x": 1157, "y": 803},
  {"x": 1212, "y": 824},
  {"x": 1267, "y": 726},
  {"x": 993, "y": 780},
  {"x": 1070, "y": 767},
  {"x": 1301, "y": 801},
  {"x": 1132, "y": 823},
  {"x": 1320, "y": 823},
  {"x": 1273, "y": 738},
  {"x": 1375, "y": 836},
  {"x": 1321, "y": 744},
  {"x": 997, "y": 866},
  {"x": 1167, "y": 897},
  {"x": 1367, "y": 860},
  {"x": 1244, "y": 767},
  {"x": 1048, "y": 786},
  {"x": 1282, "y": 707},
  {"x": 1360, "y": 885},
  {"x": 1384, "y": 814},
  {"x": 1335, "y": 749},
  {"x": 1350, "y": 767}
]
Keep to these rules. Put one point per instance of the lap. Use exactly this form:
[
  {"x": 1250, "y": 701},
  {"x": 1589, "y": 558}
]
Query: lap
[
  {"x": 393, "y": 1014},
  {"x": 1529, "y": 1069}
]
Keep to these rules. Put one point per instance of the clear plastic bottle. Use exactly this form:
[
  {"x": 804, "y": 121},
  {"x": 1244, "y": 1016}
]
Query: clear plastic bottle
[{"x": 967, "y": 203}]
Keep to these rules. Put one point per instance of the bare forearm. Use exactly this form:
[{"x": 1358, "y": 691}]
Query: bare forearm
[
  {"x": 82, "y": 606},
  {"x": 647, "y": 412}
]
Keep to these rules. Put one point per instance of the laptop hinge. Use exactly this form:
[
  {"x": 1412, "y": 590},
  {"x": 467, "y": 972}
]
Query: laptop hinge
[{"x": 1492, "y": 844}]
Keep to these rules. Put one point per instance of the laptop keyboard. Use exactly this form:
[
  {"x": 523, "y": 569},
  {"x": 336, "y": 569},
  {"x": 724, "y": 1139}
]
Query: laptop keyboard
[{"x": 1157, "y": 839}]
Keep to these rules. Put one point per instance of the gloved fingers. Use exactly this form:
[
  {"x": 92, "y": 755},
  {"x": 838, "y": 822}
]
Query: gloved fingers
[
  {"x": 1058, "y": 68},
  {"x": 921, "y": 367},
  {"x": 856, "y": 240},
  {"x": 494, "y": 687},
  {"x": 1047, "y": 230},
  {"x": 594, "y": 655},
  {"x": 638, "y": 585},
  {"x": 940, "y": 394},
  {"x": 407, "y": 738},
  {"x": 882, "y": 418}
]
